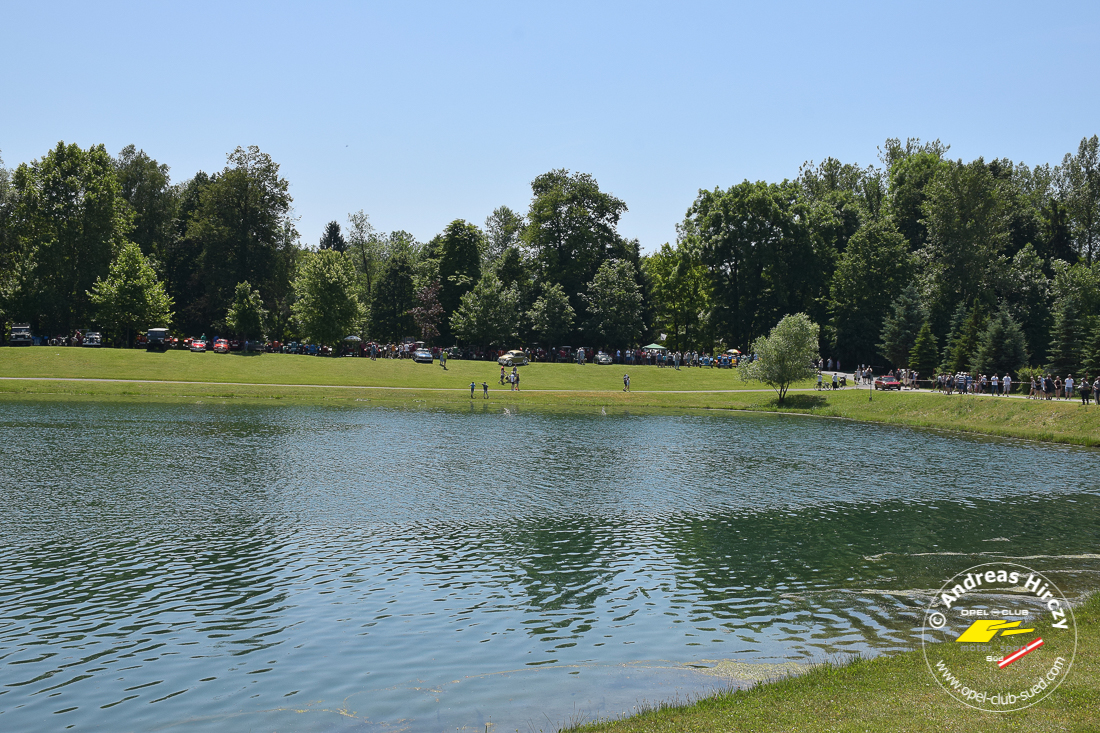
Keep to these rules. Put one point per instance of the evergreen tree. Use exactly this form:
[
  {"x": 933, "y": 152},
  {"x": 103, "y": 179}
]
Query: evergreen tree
[
  {"x": 925, "y": 354},
  {"x": 899, "y": 331},
  {"x": 1090, "y": 357},
  {"x": 333, "y": 238},
  {"x": 1065, "y": 342},
  {"x": 966, "y": 344},
  {"x": 1002, "y": 347},
  {"x": 958, "y": 322}
]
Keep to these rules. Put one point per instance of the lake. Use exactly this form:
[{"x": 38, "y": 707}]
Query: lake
[{"x": 205, "y": 567}]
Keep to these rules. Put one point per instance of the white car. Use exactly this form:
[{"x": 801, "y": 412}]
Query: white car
[
  {"x": 514, "y": 357},
  {"x": 602, "y": 358},
  {"x": 423, "y": 356},
  {"x": 92, "y": 339}
]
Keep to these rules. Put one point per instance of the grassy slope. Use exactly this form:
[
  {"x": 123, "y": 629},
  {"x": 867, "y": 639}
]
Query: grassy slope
[
  {"x": 354, "y": 380},
  {"x": 886, "y": 694},
  {"x": 293, "y": 369}
]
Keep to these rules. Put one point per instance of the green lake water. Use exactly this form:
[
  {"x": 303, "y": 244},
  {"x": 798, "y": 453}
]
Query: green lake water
[{"x": 211, "y": 567}]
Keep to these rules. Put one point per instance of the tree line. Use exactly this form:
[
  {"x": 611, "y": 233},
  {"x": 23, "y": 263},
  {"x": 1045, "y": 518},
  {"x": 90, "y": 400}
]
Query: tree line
[{"x": 920, "y": 261}]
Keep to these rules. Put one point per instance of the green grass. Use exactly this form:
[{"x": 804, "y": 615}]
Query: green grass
[
  {"x": 281, "y": 377},
  {"x": 895, "y": 693}
]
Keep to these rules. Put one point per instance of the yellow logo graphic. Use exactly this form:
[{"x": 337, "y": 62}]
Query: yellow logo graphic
[{"x": 984, "y": 630}]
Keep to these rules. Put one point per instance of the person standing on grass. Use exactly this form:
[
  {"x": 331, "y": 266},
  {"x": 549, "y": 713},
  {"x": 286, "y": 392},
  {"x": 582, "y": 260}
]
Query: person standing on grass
[
  {"x": 1085, "y": 390},
  {"x": 515, "y": 377},
  {"x": 626, "y": 383},
  {"x": 502, "y": 374},
  {"x": 443, "y": 359},
  {"x": 472, "y": 388},
  {"x": 1006, "y": 384},
  {"x": 485, "y": 389},
  {"x": 834, "y": 380},
  {"x": 1069, "y": 388}
]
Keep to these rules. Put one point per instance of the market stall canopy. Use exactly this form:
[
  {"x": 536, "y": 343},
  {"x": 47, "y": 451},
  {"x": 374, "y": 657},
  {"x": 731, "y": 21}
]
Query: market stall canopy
[
  {"x": 655, "y": 347},
  {"x": 733, "y": 351},
  {"x": 353, "y": 337}
]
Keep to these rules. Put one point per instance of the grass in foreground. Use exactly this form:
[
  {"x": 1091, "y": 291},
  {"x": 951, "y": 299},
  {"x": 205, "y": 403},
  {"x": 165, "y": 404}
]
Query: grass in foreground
[
  {"x": 884, "y": 694},
  {"x": 275, "y": 378}
]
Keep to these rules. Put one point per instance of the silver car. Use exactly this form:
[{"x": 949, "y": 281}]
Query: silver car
[{"x": 514, "y": 357}]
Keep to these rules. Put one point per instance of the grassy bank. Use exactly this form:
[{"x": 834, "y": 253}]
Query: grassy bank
[
  {"x": 275, "y": 377},
  {"x": 886, "y": 694}
]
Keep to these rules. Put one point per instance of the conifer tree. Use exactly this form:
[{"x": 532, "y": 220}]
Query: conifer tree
[
  {"x": 925, "y": 353},
  {"x": 899, "y": 331},
  {"x": 1002, "y": 346},
  {"x": 1065, "y": 341},
  {"x": 965, "y": 343}
]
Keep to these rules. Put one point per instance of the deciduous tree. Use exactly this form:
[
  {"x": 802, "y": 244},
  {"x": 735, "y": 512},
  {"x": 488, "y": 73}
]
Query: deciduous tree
[
  {"x": 130, "y": 297},
  {"x": 784, "y": 356},
  {"x": 326, "y": 307}
]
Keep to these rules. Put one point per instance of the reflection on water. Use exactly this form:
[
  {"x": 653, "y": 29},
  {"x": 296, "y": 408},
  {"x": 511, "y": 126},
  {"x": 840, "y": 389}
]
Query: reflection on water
[{"x": 321, "y": 569}]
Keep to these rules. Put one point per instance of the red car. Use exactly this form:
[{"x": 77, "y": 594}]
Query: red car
[
  {"x": 887, "y": 382},
  {"x": 221, "y": 346},
  {"x": 198, "y": 345}
]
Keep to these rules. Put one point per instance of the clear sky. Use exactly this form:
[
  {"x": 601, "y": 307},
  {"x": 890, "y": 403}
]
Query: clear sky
[{"x": 421, "y": 113}]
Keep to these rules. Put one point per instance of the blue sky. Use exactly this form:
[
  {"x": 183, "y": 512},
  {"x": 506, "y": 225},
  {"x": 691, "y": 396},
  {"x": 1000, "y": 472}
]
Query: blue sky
[{"x": 421, "y": 113}]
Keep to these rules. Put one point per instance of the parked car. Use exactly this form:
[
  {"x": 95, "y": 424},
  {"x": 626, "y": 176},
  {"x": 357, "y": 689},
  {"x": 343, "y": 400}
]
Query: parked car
[
  {"x": 887, "y": 382},
  {"x": 234, "y": 345},
  {"x": 602, "y": 358},
  {"x": 198, "y": 345},
  {"x": 515, "y": 357},
  {"x": 93, "y": 339},
  {"x": 21, "y": 334},
  {"x": 221, "y": 346},
  {"x": 156, "y": 339},
  {"x": 423, "y": 356}
]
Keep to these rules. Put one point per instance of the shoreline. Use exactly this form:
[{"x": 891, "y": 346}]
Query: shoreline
[
  {"x": 889, "y": 693},
  {"x": 130, "y": 375}
]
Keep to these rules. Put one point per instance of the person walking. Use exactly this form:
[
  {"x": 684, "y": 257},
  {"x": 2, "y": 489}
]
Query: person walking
[
  {"x": 502, "y": 374},
  {"x": 515, "y": 380},
  {"x": 626, "y": 383},
  {"x": 443, "y": 359},
  {"x": 834, "y": 380},
  {"x": 1086, "y": 390},
  {"x": 485, "y": 389},
  {"x": 1006, "y": 384}
]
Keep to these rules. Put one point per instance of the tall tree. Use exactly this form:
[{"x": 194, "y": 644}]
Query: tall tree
[
  {"x": 503, "y": 229},
  {"x": 327, "y": 305},
  {"x": 71, "y": 220},
  {"x": 1079, "y": 181},
  {"x": 572, "y": 229},
  {"x": 869, "y": 277},
  {"x": 365, "y": 249},
  {"x": 615, "y": 306},
  {"x": 459, "y": 265},
  {"x": 130, "y": 297},
  {"x": 755, "y": 241},
  {"x": 146, "y": 186},
  {"x": 900, "y": 328},
  {"x": 333, "y": 238},
  {"x": 392, "y": 298},
  {"x": 241, "y": 225},
  {"x": 967, "y": 233},
  {"x": 910, "y": 173},
  {"x": 680, "y": 288}
]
